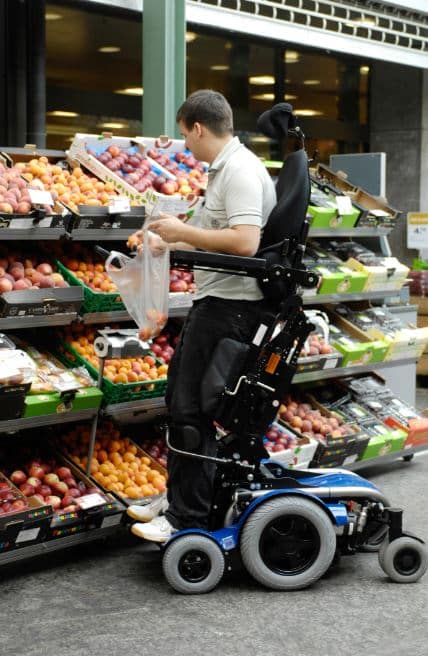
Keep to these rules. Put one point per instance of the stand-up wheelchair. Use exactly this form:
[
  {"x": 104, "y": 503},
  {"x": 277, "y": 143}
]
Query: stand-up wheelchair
[{"x": 285, "y": 526}]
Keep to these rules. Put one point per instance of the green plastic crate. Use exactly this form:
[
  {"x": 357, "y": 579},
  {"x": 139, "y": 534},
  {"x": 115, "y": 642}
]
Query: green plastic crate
[
  {"x": 93, "y": 301},
  {"x": 114, "y": 392}
]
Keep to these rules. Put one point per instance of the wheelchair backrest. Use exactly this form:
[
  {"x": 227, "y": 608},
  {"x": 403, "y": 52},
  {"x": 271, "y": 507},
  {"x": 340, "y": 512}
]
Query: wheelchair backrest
[{"x": 287, "y": 219}]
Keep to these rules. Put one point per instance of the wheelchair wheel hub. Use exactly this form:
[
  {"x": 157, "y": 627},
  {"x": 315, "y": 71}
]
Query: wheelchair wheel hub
[
  {"x": 289, "y": 545},
  {"x": 407, "y": 561},
  {"x": 194, "y": 566}
]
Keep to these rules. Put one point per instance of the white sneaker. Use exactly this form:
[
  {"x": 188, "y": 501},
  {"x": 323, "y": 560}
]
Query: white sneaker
[
  {"x": 149, "y": 511},
  {"x": 158, "y": 530}
]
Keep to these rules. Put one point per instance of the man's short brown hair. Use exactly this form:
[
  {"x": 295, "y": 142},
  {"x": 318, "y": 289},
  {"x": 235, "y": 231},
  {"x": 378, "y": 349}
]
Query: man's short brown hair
[{"x": 209, "y": 108}]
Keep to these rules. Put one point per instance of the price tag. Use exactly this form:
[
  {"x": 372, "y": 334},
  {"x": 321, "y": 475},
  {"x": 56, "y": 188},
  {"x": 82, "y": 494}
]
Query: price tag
[
  {"x": 344, "y": 205},
  {"x": 27, "y": 535},
  {"x": 119, "y": 205},
  {"x": 90, "y": 501},
  {"x": 417, "y": 230},
  {"x": 40, "y": 197}
]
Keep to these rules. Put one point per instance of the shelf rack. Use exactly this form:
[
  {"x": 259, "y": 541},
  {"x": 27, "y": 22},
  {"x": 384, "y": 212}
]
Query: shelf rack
[{"x": 15, "y": 425}]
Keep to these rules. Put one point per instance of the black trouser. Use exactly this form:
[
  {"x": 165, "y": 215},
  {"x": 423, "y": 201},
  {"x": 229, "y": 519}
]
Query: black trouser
[{"x": 190, "y": 481}]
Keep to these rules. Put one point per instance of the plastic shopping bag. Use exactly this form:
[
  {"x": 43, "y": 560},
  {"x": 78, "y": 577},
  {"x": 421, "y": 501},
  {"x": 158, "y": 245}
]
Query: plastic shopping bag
[{"x": 143, "y": 283}]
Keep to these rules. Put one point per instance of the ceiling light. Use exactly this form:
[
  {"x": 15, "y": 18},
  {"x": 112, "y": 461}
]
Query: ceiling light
[
  {"x": 108, "y": 49},
  {"x": 291, "y": 57},
  {"x": 289, "y": 96},
  {"x": 228, "y": 45},
  {"x": 259, "y": 139},
  {"x": 63, "y": 114},
  {"x": 191, "y": 36},
  {"x": 307, "y": 112},
  {"x": 219, "y": 67},
  {"x": 131, "y": 91},
  {"x": 51, "y": 16},
  {"x": 311, "y": 83},
  {"x": 262, "y": 79},
  {"x": 364, "y": 70},
  {"x": 263, "y": 96},
  {"x": 112, "y": 125}
]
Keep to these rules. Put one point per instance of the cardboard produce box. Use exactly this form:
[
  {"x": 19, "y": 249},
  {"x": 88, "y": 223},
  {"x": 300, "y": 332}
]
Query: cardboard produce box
[
  {"x": 86, "y": 148},
  {"x": 59, "y": 403},
  {"x": 356, "y": 347}
]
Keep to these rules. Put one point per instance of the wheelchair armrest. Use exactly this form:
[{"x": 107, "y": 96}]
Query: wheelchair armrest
[{"x": 244, "y": 266}]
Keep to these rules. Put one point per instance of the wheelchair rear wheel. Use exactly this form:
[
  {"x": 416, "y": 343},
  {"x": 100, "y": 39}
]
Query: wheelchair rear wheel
[
  {"x": 288, "y": 543},
  {"x": 193, "y": 564}
]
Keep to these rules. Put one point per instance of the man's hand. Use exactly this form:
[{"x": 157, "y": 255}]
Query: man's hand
[
  {"x": 156, "y": 244},
  {"x": 169, "y": 228}
]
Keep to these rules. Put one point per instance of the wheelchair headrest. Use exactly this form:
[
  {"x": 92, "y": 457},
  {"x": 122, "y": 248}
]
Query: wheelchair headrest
[{"x": 277, "y": 121}]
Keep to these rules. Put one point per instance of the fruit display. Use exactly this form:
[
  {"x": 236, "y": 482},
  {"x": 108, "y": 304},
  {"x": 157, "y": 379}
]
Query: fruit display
[
  {"x": 181, "y": 281},
  {"x": 19, "y": 272},
  {"x": 12, "y": 499},
  {"x": 306, "y": 419},
  {"x": 89, "y": 270},
  {"x": 156, "y": 448},
  {"x": 118, "y": 464},
  {"x": 119, "y": 370},
  {"x": 164, "y": 345},
  {"x": 14, "y": 194},
  {"x": 288, "y": 448},
  {"x": 72, "y": 187},
  {"x": 157, "y": 170},
  {"x": 51, "y": 482}
]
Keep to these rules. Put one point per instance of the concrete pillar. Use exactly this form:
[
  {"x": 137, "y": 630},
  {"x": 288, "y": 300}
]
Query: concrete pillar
[
  {"x": 164, "y": 65},
  {"x": 423, "y": 205},
  {"x": 396, "y": 129}
]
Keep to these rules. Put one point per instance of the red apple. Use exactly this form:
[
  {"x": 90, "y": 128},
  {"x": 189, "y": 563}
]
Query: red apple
[
  {"x": 50, "y": 479},
  {"x": 18, "y": 477},
  {"x": 36, "y": 471},
  {"x": 35, "y": 482},
  {"x": 60, "y": 488},
  {"x": 27, "y": 489},
  {"x": 64, "y": 472},
  {"x": 53, "y": 501},
  {"x": 45, "y": 490}
]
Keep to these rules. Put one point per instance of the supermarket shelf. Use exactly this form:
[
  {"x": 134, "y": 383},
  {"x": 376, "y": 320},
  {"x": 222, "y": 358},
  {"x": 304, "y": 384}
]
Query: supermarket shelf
[
  {"x": 32, "y": 233},
  {"x": 99, "y": 234},
  {"x": 15, "y": 425},
  {"x": 340, "y": 372},
  {"x": 389, "y": 457},
  {"x": 105, "y": 317},
  {"x": 350, "y": 232},
  {"x": 158, "y": 403},
  {"x": 342, "y": 298},
  {"x": 179, "y": 305},
  {"x": 41, "y": 321},
  {"x": 135, "y": 407},
  {"x": 31, "y": 551}
]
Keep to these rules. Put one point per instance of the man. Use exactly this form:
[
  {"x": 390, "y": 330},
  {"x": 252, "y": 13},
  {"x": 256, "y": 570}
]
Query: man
[{"x": 239, "y": 198}]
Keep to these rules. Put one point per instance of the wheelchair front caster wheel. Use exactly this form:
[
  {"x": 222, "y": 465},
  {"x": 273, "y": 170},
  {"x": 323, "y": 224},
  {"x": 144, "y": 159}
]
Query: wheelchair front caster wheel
[
  {"x": 193, "y": 564},
  {"x": 404, "y": 560}
]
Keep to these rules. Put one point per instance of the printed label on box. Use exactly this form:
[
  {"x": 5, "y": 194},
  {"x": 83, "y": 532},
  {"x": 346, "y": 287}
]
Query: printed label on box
[
  {"x": 111, "y": 520},
  {"x": 27, "y": 534},
  {"x": 118, "y": 205},
  {"x": 40, "y": 197}
]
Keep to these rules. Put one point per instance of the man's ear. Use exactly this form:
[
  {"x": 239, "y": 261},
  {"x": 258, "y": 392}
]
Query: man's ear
[{"x": 198, "y": 129}]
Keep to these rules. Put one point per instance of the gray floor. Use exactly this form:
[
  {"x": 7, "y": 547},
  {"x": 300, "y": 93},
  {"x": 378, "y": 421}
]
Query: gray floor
[{"x": 111, "y": 600}]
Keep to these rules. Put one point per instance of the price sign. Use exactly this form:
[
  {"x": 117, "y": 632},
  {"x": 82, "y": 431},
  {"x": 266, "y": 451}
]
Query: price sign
[
  {"x": 40, "y": 197},
  {"x": 118, "y": 205},
  {"x": 90, "y": 501},
  {"x": 344, "y": 205},
  {"x": 417, "y": 230}
]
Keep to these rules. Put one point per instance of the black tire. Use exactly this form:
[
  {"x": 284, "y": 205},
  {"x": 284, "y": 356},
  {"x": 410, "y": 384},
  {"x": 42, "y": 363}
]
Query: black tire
[
  {"x": 193, "y": 564},
  {"x": 404, "y": 560},
  {"x": 288, "y": 543}
]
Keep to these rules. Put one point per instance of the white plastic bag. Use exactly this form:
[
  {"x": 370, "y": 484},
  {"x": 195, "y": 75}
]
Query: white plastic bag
[{"x": 143, "y": 284}]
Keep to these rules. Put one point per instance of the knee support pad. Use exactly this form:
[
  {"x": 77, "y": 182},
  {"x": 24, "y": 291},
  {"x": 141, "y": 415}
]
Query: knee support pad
[{"x": 185, "y": 437}]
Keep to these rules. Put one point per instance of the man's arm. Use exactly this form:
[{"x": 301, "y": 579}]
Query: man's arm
[{"x": 238, "y": 240}]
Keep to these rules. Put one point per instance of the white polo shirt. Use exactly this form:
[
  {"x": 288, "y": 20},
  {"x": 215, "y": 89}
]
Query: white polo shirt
[{"x": 239, "y": 192}]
